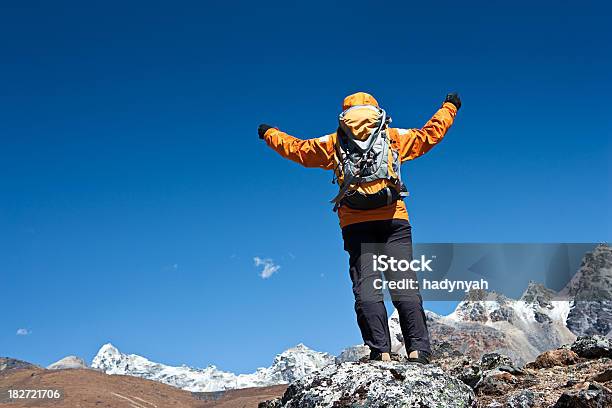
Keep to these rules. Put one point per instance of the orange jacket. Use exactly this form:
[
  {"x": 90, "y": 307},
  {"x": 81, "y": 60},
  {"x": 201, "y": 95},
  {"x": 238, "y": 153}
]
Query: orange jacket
[{"x": 320, "y": 152}]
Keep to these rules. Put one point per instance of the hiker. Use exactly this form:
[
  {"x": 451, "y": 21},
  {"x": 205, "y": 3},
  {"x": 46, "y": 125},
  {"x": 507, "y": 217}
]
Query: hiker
[{"x": 365, "y": 155}]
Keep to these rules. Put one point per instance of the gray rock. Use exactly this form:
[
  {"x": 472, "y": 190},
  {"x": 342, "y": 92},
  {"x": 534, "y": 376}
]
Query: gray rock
[
  {"x": 592, "y": 347},
  {"x": 521, "y": 399},
  {"x": 490, "y": 361},
  {"x": 443, "y": 349},
  {"x": 376, "y": 385},
  {"x": 469, "y": 373},
  {"x": 484, "y": 374},
  {"x": 591, "y": 398},
  {"x": 495, "y": 382}
]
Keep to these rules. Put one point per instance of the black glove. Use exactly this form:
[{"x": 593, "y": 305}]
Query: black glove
[
  {"x": 453, "y": 98},
  {"x": 262, "y": 129}
]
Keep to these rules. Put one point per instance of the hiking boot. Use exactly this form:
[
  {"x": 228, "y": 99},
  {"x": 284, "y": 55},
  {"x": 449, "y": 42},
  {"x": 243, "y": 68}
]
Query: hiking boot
[
  {"x": 420, "y": 357},
  {"x": 378, "y": 356}
]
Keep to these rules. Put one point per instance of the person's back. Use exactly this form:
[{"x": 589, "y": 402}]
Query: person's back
[{"x": 365, "y": 154}]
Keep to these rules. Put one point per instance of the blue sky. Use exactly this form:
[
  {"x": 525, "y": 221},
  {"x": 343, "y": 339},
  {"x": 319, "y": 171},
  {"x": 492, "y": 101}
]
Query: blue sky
[{"x": 135, "y": 193}]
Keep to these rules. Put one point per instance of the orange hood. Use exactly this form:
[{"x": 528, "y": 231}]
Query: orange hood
[
  {"x": 359, "y": 98},
  {"x": 361, "y": 122}
]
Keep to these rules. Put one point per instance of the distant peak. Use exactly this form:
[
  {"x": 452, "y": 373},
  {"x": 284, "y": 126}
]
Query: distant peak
[
  {"x": 536, "y": 287},
  {"x": 593, "y": 281},
  {"x": 299, "y": 348},
  {"x": 482, "y": 295},
  {"x": 108, "y": 348},
  {"x": 477, "y": 295},
  {"x": 68, "y": 362},
  {"x": 538, "y": 293}
]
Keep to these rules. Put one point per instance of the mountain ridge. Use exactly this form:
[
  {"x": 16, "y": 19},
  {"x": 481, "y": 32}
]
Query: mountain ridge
[{"x": 287, "y": 366}]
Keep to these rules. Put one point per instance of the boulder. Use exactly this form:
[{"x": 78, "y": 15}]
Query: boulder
[
  {"x": 376, "y": 385},
  {"x": 496, "y": 383},
  {"x": 592, "y": 347},
  {"x": 521, "y": 399},
  {"x": 490, "y": 361},
  {"x": 552, "y": 358},
  {"x": 468, "y": 372},
  {"x": 488, "y": 373},
  {"x": 594, "y": 397}
]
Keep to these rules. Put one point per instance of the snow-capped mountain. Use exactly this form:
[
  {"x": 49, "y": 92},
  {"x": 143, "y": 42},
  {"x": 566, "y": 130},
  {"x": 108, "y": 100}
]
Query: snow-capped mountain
[
  {"x": 353, "y": 353},
  {"x": 487, "y": 322},
  {"x": 67, "y": 363},
  {"x": 292, "y": 364},
  {"x": 539, "y": 320}
]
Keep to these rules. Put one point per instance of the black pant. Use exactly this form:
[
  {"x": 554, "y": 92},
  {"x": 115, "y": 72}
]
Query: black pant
[{"x": 392, "y": 238}]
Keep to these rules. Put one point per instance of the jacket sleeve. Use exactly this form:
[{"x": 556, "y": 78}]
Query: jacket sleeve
[
  {"x": 416, "y": 142},
  {"x": 309, "y": 152}
]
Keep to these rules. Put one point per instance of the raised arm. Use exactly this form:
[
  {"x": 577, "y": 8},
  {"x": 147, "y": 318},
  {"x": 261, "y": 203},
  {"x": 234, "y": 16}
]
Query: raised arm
[
  {"x": 309, "y": 152},
  {"x": 416, "y": 142}
]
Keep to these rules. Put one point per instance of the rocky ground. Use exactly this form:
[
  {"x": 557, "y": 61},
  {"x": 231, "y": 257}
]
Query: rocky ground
[{"x": 576, "y": 375}]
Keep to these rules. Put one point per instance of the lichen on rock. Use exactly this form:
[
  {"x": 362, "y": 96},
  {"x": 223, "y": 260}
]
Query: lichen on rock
[{"x": 376, "y": 384}]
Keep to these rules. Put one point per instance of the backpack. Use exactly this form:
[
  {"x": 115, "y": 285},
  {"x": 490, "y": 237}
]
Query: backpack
[{"x": 367, "y": 166}]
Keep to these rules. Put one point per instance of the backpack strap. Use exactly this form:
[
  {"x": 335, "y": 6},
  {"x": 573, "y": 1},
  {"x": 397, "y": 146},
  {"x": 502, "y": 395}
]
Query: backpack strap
[{"x": 393, "y": 136}]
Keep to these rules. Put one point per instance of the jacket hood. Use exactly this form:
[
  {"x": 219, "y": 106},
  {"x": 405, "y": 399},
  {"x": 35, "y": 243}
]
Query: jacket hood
[
  {"x": 363, "y": 120},
  {"x": 359, "y": 98}
]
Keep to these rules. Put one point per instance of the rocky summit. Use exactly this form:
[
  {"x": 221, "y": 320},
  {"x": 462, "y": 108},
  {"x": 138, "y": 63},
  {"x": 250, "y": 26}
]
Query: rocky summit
[{"x": 376, "y": 384}]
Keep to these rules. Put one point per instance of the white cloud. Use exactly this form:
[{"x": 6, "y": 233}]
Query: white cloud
[
  {"x": 269, "y": 267},
  {"x": 23, "y": 332},
  {"x": 171, "y": 268}
]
